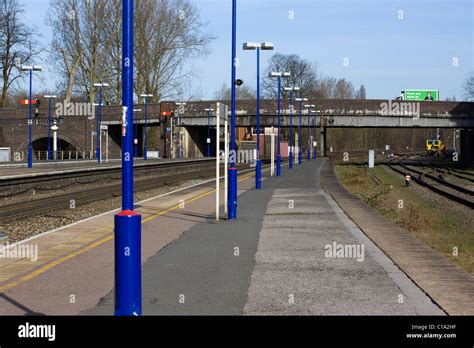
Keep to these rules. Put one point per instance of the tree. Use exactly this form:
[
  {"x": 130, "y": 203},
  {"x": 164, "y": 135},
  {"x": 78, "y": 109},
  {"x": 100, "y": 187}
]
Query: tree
[
  {"x": 344, "y": 89},
  {"x": 361, "y": 93},
  {"x": 66, "y": 52},
  {"x": 303, "y": 74},
  {"x": 17, "y": 45},
  {"x": 469, "y": 86},
  {"x": 82, "y": 35},
  {"x": 87, "y": 47},
  {"x": 241, "y": 93},
  {"x": 169, "y": 34}
]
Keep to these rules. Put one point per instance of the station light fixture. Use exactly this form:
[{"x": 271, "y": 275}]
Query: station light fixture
[
  {"x": 279, "y": 74},
  {"x": 252, "y": 46},
  {"x": 265, "y": 46},
  {"x": 31, "y": 68}
]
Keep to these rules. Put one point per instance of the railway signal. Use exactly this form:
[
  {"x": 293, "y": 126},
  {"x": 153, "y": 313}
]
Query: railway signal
[{"x": 407, "y": 180}]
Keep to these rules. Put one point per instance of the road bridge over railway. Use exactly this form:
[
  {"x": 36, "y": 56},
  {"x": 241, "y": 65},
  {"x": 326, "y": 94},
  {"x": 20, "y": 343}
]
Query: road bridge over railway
[
  {"x": 78, "y": 133},
  {"x": 349, "y": 114}
]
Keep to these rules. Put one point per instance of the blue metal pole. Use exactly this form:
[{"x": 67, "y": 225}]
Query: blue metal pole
[
  {"x": 291, "y": 129},
  {"x": 209, "y": 133},
  {"x": 300, "y": 145},
  {"x": 98, "y": 126},
  {"x": 309, "y": 136},
  {"x": 30, "y": 124},
  {"x": 258, "y": 169},
  {"x": 49, "y": 130},
  {"x": 145, "y": 147},
  {"x": 279, "y": 126},
  {"x": 315, "y": 152},
  {"x": 232, "y": 193},
  {"x": 128, "y": 288},
  {"x": 180, "y": 137}
]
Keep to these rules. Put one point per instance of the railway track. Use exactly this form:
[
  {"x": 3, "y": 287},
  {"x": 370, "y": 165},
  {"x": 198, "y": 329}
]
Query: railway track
[
  {"x": 179, "y": 173},
  {"x": 436, "y": 184},
  {"x": 451, "y": 171}
]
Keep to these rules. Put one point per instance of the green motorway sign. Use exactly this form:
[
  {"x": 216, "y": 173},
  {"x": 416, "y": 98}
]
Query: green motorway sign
[{"x": 421, "y": 94}]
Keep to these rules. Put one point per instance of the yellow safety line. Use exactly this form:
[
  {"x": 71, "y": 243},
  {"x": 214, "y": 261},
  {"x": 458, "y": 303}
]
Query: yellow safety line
[{"x": 99, "y": 242}]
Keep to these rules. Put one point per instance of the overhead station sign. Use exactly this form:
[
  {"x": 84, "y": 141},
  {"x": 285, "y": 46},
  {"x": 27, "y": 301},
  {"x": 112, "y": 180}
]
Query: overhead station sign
[{"x": 421, "y": 94}]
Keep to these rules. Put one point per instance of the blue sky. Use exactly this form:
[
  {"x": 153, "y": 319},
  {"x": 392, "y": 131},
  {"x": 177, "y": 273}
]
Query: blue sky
[{"x": 385, "y": 53}]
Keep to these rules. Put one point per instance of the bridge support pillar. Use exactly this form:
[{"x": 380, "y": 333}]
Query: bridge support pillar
[
  {"x": 467, "y": 148},
  {"x": 322, "y": 141}
]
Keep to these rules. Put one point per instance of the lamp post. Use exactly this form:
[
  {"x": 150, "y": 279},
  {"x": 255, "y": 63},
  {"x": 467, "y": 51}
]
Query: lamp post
[
  {"x": 300, "y": 142},
  {"x": 128, "y": 280},
  {"x": 250, "y": 46},
  {"x": 135, "y": 132},
  {"x": 309, "y": 131},
  {"x": 30, "y": 114},
  {"x": 209, "y": 131},
  {"x": 172, "y": 155},
  {"x": 232, "y": 189},
  {"x": 101, "y": 85},
  {"x": 145, "y": 147},
  {"x": 181, "y": 107},
  {"x": 315, "y": 139},
  {"x": 49, "y": 97},
  {"x": 279, "y": 75},
  {"x": 291, "y": 89}
]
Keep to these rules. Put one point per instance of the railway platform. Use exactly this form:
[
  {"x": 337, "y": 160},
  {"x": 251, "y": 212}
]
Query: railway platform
[
  {"x": 280, "y": 258},
  {"x": 293, "y": 251}
]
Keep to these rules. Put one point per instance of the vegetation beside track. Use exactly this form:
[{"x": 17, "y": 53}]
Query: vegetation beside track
[{"x": 440, "y": 227}]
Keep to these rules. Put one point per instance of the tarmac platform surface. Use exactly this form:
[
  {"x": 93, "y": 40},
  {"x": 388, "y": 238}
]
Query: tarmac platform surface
[{"x": 274, "y": 260}]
